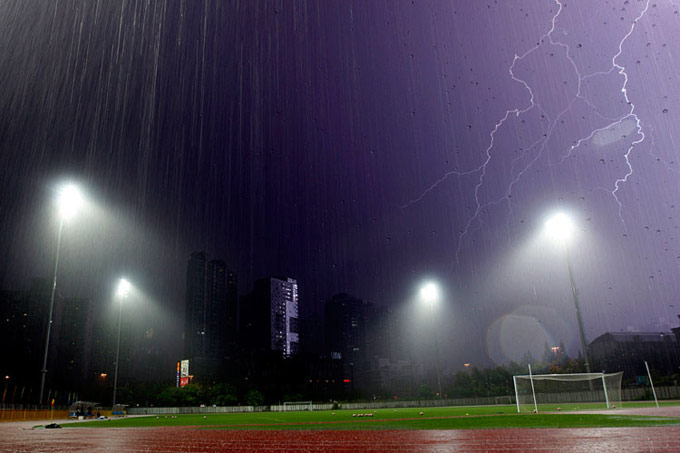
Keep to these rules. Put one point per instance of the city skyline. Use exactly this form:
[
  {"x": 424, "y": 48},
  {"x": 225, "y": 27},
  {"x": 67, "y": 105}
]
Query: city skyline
[
  {"x": 405, "y": 310},
  {"x": 363, "y": 353}
]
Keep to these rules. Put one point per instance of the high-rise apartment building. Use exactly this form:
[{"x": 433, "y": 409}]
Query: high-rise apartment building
[
  {"x": 70, "y": 366},
  {"x": 195, "y": 307},
  {"x": 211, "y": 308},
  {"x": 345, "y": 327},
  {"x": 365, "y": 338},
  {"x": 23, "y": 320},
  {"x": 270, "y": 317},
  {"x": 284, "y": 316}
]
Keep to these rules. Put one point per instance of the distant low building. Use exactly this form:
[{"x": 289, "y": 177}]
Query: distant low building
[
  {"x": 676, "y": 332},
  {"x": 627, "y": 352}
]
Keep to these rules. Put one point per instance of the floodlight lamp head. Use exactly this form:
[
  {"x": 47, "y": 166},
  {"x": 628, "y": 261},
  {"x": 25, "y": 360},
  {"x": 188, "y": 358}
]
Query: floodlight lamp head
[
  {"x": 560, "y": 227},
  {"x": 123, "y": 288},
  {"x": 69, "y": 201},
  {"x": 429, "y": 292}
]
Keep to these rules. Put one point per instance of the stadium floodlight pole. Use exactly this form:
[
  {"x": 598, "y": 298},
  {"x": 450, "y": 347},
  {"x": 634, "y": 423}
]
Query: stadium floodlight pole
[
  {"x": 429, "y": 293},
  {"x": 68, "y": 202},
  {"x": 122, "y": 293},
  {"x": 561, "y": 228}
]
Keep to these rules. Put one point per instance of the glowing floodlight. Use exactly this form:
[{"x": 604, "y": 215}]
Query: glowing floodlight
[
  {"x": 430, "y": 292},
  {"x": 123, "y": 288},
  {"x": 69, "y": 201},
  {"x": 560, "y": 227}
]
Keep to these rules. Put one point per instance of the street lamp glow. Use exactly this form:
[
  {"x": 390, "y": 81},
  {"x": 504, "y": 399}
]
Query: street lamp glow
[
  {"x": 69, "y": 201},
  {"x": 123, "y": 288},
  {"x": 560, "y": 227},
  {"x": 430, "y": 292}
]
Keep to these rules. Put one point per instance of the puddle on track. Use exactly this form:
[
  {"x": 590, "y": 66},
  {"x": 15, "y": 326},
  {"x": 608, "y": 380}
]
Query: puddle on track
[{"x": 18, "y": 438}]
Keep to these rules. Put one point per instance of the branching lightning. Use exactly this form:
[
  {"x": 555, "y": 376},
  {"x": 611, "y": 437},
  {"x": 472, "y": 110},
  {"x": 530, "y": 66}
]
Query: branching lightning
[
  {"x": 631, "y": 114},
  {"x": 541, "y": 143}
]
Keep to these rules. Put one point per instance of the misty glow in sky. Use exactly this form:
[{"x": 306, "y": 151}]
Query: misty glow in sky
[{"x": 357, "y": 147}]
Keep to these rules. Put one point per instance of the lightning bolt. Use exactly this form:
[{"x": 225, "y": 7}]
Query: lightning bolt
[
  {"x": 517, "y": 112},
  {"x": 547, "y": 39},
  {"x": 631, "y": 114},
  {"x": 499, "y": 124}
]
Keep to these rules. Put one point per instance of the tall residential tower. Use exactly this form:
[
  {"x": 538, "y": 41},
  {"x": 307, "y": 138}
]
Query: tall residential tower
[
  {"x": 211, "y": 309},
  {"x": 270, "y": 317}
]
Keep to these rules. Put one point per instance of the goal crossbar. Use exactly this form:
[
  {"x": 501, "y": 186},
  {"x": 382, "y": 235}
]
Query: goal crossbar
[{"x": 566, "y": 377}]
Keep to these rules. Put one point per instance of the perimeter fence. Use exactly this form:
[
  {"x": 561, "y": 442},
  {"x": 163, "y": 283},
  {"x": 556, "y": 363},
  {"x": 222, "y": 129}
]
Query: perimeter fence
[
  {"x": 26, "y": 412},
  {"x": 630, "y": 394}
]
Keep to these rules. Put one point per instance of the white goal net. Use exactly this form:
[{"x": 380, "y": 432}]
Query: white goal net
[
  {"x": 549, "y": 391},
  {"x": 297, "y": 406},
  {"x": 504, "y": 400}
]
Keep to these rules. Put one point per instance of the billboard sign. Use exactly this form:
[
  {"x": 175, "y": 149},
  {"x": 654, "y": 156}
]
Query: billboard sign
[{"x": 184, "y": 376}]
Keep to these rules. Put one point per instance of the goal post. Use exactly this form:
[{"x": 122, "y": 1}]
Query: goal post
[
  {"x": 298, "y": 406},
  {"x": 534, "y": 390}
]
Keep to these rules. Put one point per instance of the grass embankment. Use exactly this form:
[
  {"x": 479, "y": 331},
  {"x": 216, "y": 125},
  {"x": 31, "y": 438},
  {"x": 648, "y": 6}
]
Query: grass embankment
[{"x": 476, "y": 417}]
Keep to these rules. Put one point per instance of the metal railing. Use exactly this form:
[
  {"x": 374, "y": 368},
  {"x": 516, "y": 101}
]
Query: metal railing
[{"x": 630, "y": 394}]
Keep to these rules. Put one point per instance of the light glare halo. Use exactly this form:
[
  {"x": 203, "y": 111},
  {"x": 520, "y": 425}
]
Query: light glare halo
[
  {"x": 69, "y": 201},
  {"x": 560, "y": 227},
  {"x": 430, "y": 292},
  {"x": 123, "y": 288}
]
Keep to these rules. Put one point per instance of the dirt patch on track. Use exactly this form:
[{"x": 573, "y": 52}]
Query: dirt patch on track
[{"x": 18, "y": 438}]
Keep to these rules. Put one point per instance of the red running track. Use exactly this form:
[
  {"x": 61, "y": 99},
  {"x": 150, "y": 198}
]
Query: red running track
[{"x": 15, "y": 437}]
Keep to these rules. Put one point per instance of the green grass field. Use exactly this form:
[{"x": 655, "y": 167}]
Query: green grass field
[{"x": 473, "y": 417}]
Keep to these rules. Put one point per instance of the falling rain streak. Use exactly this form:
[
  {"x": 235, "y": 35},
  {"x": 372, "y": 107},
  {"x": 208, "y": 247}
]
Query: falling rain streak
[{"x": 357, "y": 147}]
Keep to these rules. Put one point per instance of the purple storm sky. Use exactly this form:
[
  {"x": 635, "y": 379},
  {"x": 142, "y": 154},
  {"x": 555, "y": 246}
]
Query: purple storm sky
[{"x": 358, "y": 146}]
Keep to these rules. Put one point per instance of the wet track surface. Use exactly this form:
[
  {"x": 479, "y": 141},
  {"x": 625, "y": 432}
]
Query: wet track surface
[{"x": 19, "y": 437}]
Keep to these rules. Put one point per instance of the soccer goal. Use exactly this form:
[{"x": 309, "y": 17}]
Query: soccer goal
[
  {"x": 533, "y": 391},
  {"x": 297, "y": 406},
  {"x": 504, "y": 400}
]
